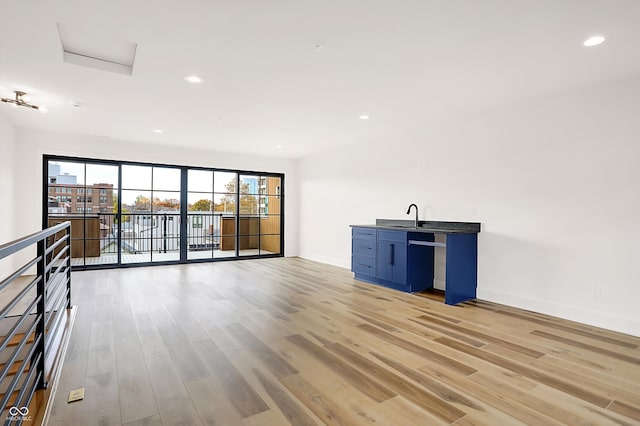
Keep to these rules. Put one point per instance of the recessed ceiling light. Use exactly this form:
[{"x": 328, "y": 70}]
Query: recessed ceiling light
[
  {"x": 279, "y": 146},
  {"x": 193, "y": 79},
  {"x": 43, "y": 110},
  {"x": 157, "y": 131},
  {"x": 364, "y": 116},
  {"x": 593, "y": 41}
]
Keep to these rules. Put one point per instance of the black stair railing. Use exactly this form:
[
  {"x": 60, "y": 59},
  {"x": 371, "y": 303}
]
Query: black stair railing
[{"x": 32, "y": 309}]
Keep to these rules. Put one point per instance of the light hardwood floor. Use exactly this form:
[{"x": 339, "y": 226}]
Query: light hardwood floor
[{"x": 279, "y": 341}]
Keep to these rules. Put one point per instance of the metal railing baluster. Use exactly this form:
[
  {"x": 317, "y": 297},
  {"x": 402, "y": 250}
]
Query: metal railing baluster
[
  {"x": 29, "y": 328},
  {"x": 41, "y": 292}
]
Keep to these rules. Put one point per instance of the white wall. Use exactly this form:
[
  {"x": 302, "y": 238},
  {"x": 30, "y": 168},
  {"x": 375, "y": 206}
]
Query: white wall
[
  {"x": 555, "y": 183},
  {"x": 33, "y": 144},
  {"x": 8, "y": 141}
]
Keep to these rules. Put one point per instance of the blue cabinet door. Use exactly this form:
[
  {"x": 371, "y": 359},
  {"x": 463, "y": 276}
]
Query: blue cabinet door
[
  {"x": 399, "y": 267},
  {"x": 392, "y": 261},
  {"x": 383, "y": 264},
  {"x": 462, "y": 268}
]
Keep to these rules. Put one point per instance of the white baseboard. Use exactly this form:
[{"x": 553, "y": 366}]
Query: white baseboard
[
  {"x": 573, "y": 313},
  {"x": 328, "y": 260}
]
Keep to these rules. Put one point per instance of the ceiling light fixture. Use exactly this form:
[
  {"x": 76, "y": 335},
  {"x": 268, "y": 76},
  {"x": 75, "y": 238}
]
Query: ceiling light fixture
[
  {"x": 364, "y": 117},
  {"x": 20, "y": 100},
  {"x": 157, "y": 131},
  {"x": 593, "y": 41},
  {"x": 193, "y": 79}
]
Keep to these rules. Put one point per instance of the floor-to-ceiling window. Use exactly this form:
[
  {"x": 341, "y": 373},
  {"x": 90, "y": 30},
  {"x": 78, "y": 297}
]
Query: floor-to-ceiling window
[
  {"x": 150, "y": 214},
  {"x": 99, "y": 214},
  {"x": 259, "y": 230},
  {"x": 126, "y": 213},
  {"x": 211, "y": 214},
  {"x": 85, "y": 194},
  {"x": 224, "y": 204},
  {"x": 203, "y": 226}
]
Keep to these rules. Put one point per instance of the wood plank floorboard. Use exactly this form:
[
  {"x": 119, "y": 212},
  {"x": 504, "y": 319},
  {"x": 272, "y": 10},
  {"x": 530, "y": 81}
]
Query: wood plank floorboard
[
  {"x": 272, "y": 361},
  {"x": 329, "y": 411},
  {"x": 173, "y": 401},
  {"x": 211, "y": 403},
  {"x": 427, "y": 320},
  {"x": 371, "y": 388},
  {"x": 427, "y": 354},
  {"x": 592, "y": 348},
  {"x": 288, "y": 405},
  {"x": 537, "y": 375},
  {"x": 292, "y": 341},
  {"x": 240, "y": 393},
  {"x": 437, "y": 405},
  {"x": 549, "y": 322}
]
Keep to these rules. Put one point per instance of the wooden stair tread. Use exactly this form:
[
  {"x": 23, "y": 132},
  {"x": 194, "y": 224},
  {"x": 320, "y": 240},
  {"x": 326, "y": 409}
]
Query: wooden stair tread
[
  {"x": 15, "y": 340},
  {"x": 14, "y": 368},
  {"x": 38, "y": 401},
  {"x": 12, "y": 398}
]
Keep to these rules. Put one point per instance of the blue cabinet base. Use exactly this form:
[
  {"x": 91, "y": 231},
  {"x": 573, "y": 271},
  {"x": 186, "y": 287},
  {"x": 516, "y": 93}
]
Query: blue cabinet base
[
  {"x": 462, "y": 268},
  {"x": 404, "y": 260},
  {"x": 391, "y": 284}
]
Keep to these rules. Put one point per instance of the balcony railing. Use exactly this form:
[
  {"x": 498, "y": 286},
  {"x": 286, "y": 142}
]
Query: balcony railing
[
  {"x": 158, "y": 232},
  {"x": 142, "y": 237},
  {"x": 32, "y": 309}
]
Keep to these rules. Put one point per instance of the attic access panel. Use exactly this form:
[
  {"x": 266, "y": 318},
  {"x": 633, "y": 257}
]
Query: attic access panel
[{"x": 88, "y": 49}]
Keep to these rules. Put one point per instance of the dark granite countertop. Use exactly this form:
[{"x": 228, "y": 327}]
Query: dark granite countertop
[{"x": 427, "y": 226}]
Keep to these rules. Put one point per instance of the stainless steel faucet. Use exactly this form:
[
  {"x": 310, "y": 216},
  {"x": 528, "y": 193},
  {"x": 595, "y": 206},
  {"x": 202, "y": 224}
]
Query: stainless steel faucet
[{"x": 409, "y": 211}]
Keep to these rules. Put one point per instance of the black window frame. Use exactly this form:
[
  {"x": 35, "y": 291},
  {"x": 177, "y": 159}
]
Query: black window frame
[{"x": 183, "y": 259}]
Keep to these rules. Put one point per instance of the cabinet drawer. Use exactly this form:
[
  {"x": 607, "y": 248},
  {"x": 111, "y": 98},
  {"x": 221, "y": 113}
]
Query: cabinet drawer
[
  {"x": 363, "y": 265},
  {"x": 363, "y": 233},
  {"x": 363, "y": 247},
  {"x": 396, "y": 236}
]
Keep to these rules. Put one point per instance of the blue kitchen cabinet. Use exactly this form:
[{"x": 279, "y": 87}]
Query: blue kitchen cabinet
[
  {"x": 402, "y": 258},
  {"x": 384, "y": 257}
]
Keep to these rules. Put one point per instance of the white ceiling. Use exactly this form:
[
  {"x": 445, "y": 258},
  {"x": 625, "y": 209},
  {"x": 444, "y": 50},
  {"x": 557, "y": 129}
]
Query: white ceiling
[{"x": 405, "y": 63}]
